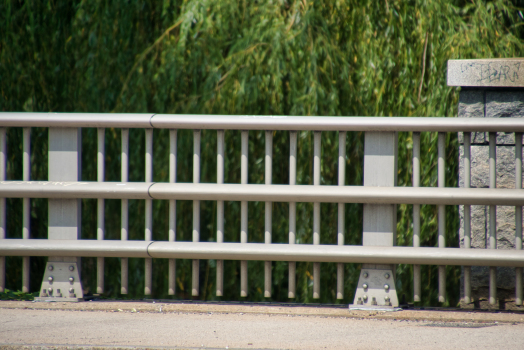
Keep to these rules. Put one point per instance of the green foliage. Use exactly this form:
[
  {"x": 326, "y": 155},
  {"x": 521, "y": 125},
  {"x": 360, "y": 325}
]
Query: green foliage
[
  {"x": 323, "y": 58},
  {"x": 8, "y": 294}
]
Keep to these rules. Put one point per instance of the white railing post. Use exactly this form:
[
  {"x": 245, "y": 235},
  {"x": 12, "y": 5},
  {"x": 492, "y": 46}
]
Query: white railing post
[
  {"x": 100, "y": 235},
  {"x": 172, "y": 208},
  {"x": 196, "y": 212},
  {"x": 244, "y": 211},
  {"x": 341, "y": 209},
  {"x": 220, "y": 210},
  {"x": 293, "y": 135},
  {"x": 62, "y": 275},
  {"x": 268, "y": 211},
  {"x": 416, "y": 216},
  {"x": 317, "y": 136},
  {"x": 26, "y": 213},
  {"x": 124, "y": 220},
  {"x": 148, "y": 271},
  {"x": 376, "y": 285},
  {"x": 441, "y": 172},
  {"x": 3, "y": 222}
]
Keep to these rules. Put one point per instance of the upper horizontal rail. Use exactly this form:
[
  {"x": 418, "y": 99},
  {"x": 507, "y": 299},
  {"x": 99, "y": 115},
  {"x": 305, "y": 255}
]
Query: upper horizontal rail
[
  {"x": 263, "y": 193},
  {"x": 337, "y": 123},
  {"x": 76, "y": 120},
  {"x": 227, "y": 122},
  {"x": 263, "y": 252}
]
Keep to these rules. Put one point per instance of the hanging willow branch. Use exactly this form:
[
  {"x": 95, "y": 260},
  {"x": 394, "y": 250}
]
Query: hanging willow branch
[{"x": 141, "y": 58}]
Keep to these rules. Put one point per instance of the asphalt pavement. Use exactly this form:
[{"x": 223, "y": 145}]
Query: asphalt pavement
[{"x": 141, "y": 325}]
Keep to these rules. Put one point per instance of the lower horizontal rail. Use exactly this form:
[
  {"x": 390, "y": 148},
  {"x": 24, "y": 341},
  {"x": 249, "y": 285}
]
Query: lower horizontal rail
[
  {"x": 263, "y": 193},
  {"x": 263, "y": 252}
]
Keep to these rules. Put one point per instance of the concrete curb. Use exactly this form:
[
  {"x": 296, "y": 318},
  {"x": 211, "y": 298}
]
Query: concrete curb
[
  {"x": 162, "y": 306},
  {"x": 94, "y": 347}
]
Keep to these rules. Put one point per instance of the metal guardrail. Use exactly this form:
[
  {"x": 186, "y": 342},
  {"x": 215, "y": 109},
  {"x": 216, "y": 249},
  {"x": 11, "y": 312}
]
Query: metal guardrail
[
  {"x": 262, "y": 252},
  {"x": 247, "y": 122},
  {"x": 261, "y": 193},
  {"x": 64, "y": 189}
]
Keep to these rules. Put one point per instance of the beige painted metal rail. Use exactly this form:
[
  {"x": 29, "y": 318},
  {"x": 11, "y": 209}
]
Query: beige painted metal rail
[{"x": 64, "y": 187}]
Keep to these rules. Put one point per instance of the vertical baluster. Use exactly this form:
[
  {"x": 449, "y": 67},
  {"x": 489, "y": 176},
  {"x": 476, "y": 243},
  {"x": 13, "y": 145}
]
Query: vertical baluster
[
  {"x": 518, "y": 215},
  {"x": 292, "y": 211},
  {"x": 172, "y": 209},
  {"x": 196, "y": 210},
  {"x": 341, "y": 206},
  {"x": 26, "y": 230},
  {"x": 149, "y": 212},
  {"x": 100, "y": 231},
  {"x": 316, "y": 212},
  {"x": 268, "y": 211},
  {"x": 441, "y": 215},
  {"x": 3, "y": 161},
  {"x": 492, "y": 215},
  {"x": 124, "y": 233},
  {"x": 467, "y": 215},
  {"x": 220, "y": 211},
  {"x": 416, "y": 215},
  {"x": 243, "y": 211}
]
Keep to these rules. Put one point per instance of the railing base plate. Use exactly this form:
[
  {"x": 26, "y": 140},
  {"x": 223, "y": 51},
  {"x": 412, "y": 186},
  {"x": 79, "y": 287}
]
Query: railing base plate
[
  {"x": 373, "y": 308},
  {"x": 61, "y": 283},
  {"x": 42, "y": 299},
  {"x": 376, "y": 288}
]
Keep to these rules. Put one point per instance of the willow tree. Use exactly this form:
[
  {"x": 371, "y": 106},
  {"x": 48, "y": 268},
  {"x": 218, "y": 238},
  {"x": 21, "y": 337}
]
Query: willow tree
[{"x": 316, "y": 58}]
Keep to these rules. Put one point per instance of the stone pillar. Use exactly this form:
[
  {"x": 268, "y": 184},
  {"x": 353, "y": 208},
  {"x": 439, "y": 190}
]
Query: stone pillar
[{"x": 490, "y": 88}]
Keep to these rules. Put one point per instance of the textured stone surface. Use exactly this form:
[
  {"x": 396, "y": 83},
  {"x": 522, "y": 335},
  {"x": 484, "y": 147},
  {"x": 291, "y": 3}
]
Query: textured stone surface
[
  {"x": 501, "y": 72},
  {"x": 490, "y": 104},
  {"x": 478, "y": 226},
  {"x": 480, "y": 179},
  {"x": 471, "y": 105},
  {"x": 505, "y": 105},
  {"x": 480, "y": 277},
  {"x": 483, "y": 103},
  {"x": 480, "y": 166}
]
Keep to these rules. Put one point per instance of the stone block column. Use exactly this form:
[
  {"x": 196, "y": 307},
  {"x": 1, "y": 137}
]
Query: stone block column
[{"x": 490, "y": 88}]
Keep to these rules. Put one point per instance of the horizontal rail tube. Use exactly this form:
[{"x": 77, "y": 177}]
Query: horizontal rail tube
[
  {"x": 263, "y": 252},
  {"x": 82, "y": 189},
  {"x": 75, "y": 248},
  {"x": 338, "y": 194},
  {"x": 227, "y": 122},
  {"x": 263, "y": 193},
  {"x": 76, "y": 120}
]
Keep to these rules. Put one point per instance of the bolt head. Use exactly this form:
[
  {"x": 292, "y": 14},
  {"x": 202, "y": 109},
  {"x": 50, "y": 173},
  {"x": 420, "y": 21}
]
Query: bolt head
[
  {"x": 365, "y": 286},
  {"x": 386, "y": 298},
  {"x": 386, "y": 276},
  {"x": 71, "y": 290},
  {"x": 50, "y": 267},
  {"x": 365, "y": 275},
  {"x": 365, "y": 297},
  {"x": 71, "y": 279},
  {"x": 71, "y": 268},
  {"x": 50, "y": 278},
  {"x": 386, "y": 286},
  {"x": 50, "y": 290}
]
